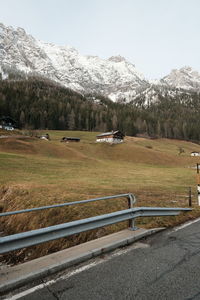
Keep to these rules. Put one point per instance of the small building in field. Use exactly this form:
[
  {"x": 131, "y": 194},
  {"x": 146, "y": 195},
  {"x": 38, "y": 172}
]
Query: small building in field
[
  {"x": 7, "y": 127},
  {"x": 45, "y": 137},
  {"x": 70, "y": 139},
  {"x": 113, "y": 137},
  {"x": 195, "y": 153},
  {"x": 7, "y": 123}
]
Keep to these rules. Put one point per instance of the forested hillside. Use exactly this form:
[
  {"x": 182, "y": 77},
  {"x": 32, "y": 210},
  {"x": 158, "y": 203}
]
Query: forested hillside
[{"x": 38, "y": 103}]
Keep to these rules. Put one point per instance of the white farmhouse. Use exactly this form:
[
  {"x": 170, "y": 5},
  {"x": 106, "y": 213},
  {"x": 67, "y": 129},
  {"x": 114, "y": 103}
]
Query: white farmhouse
[
  {"x": 113, "y": 137},
  {"x": 195, "y": 153}
]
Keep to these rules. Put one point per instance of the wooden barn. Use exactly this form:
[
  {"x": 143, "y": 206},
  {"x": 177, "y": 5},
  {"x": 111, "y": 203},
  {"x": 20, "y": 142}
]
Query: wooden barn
[
  {"x": 70, "y": 139},
  {"x": 113, "y": 137}
]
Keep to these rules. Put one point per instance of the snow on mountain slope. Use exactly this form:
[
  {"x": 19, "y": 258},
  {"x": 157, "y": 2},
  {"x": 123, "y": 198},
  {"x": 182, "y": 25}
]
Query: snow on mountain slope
[
  {"x": 114, "y": 77},
  {"x": 184, "y": 78},
  {"x": 155, "y": 92}
]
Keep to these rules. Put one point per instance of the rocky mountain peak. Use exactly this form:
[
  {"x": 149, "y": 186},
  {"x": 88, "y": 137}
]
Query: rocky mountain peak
[
  {"x": 114, "y": 77},
  {"x": 117, "y": 59},
  {"x": 21, "y": 31},
  {"x": 184, "y": 78}
]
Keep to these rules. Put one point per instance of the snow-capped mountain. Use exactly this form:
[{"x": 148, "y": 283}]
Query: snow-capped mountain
[
  {"x": 115, "y": 77},
  {"x": 155, "y": 92},
  {"x": 184, "y": 78}
]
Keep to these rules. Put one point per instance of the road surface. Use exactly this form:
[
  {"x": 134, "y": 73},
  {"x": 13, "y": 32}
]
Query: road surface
[{"x": 164, "y": 266}]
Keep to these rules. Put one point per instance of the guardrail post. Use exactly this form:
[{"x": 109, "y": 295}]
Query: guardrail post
[{"x": 131, "y": 201}]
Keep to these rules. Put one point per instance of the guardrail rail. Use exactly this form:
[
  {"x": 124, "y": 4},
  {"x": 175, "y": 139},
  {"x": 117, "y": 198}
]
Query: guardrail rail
[{"x": 38, "y": 236}]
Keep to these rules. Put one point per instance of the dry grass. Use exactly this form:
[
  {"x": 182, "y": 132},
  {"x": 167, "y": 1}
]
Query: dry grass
[{"x": 35, "y": 172}]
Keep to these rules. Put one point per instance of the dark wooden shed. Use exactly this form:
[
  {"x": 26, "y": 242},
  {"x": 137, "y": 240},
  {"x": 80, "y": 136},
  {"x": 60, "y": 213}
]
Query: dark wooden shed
[{"x": 70, "y": 139}]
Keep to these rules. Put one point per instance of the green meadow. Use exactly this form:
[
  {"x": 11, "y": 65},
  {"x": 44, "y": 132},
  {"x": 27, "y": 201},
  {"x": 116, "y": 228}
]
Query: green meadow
[{"x": 36, "y": 172}]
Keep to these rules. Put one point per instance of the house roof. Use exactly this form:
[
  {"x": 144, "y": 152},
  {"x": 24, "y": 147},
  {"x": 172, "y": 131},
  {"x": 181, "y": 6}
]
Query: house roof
[
  {"x": 7, "y": 119},
  {"x": 70, "y": 138},
  {"x": 109, "y": 133}
]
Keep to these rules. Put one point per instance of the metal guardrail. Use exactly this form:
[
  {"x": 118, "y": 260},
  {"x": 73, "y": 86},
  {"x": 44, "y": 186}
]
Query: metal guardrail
[
  {"x": 131, "y": 200},
  {"x": 38, "y": 236}
]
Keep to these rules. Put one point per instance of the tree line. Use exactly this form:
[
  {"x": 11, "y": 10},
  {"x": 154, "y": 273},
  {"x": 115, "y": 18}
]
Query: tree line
[{"x": 38, "y": 103}]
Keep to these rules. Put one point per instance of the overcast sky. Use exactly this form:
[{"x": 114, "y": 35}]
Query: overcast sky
[{"x": 155, "y": 35}]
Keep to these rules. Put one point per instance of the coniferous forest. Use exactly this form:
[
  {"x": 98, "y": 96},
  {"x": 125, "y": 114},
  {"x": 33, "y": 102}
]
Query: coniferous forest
[{"x": 37, "y": 103}]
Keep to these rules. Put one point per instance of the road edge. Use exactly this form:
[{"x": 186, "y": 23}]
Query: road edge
[{"x": 17, "y": 276}]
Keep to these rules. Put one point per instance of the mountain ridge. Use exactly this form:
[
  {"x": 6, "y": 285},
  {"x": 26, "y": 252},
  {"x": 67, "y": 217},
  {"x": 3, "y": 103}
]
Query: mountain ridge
[{"x": 115, "y": 77}]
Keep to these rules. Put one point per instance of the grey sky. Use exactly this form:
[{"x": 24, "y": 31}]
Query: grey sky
[{"x": 155, "y": 35}]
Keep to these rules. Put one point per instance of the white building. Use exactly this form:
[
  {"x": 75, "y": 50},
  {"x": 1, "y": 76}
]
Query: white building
[
  {"x": 113, "y": 137},
  {"x": 194, "y": 153}
]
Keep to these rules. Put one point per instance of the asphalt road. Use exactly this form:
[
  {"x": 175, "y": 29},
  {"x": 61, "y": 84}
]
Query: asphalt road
[{"x": 164, "y": 266}]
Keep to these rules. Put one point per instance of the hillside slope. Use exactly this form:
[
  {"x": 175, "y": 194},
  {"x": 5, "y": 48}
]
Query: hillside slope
[
  {"x": 38, "y": 103},
  {"x": 37, "y": 172}
]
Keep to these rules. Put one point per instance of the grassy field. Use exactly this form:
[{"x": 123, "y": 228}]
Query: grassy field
[{"x": 36, "y": 172}]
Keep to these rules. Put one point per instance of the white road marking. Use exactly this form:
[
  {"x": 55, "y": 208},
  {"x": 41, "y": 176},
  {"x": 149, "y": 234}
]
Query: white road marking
[
  {"x": 185, "y": 225},
  {"x": 50, "y": 282},
  {"x": 93, "y": 264},
  {"x": 79, "y": 270}
]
